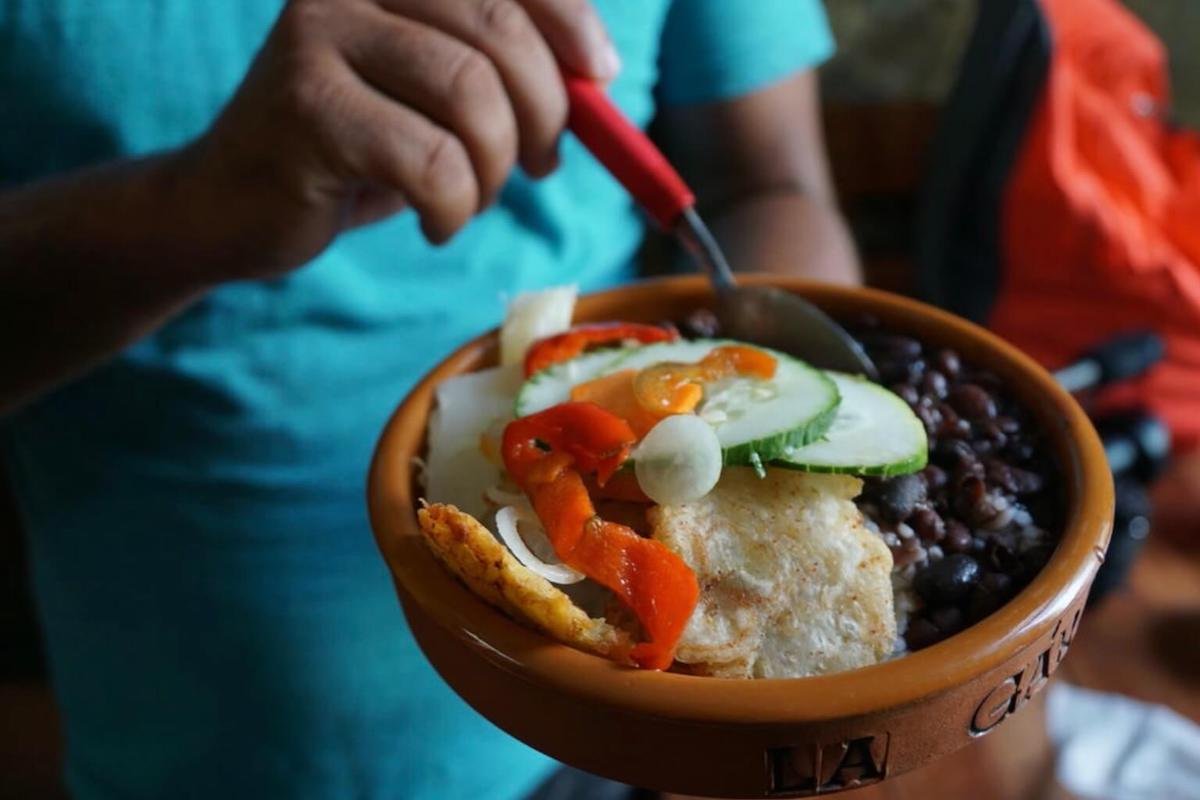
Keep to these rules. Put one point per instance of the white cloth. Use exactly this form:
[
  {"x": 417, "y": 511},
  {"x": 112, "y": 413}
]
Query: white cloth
[{"x": 1112, "y": 747}]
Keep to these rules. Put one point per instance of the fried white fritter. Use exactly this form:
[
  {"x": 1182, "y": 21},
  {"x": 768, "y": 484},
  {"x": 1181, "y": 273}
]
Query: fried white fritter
[
  {"x": 791, "y": 582},
  {"x": 484, "y": 564}
]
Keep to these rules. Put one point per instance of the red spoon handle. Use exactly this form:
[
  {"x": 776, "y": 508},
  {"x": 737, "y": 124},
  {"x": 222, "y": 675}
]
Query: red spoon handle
[{"x": 626, "y": 152}]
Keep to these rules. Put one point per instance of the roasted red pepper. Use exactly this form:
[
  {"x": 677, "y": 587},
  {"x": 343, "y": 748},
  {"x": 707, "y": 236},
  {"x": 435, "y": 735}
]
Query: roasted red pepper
[
  {"x": 564, "y": 346},
  {"x": 545, "y": 454},
  {"x": 622, "y": 486}
]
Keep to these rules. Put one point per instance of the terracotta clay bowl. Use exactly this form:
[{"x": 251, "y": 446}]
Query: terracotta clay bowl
[{"x": 753, "y": 738}]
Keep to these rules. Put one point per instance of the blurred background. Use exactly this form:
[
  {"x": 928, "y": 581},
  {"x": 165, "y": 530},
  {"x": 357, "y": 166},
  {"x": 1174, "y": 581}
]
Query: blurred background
[
  {"x": 895, "y": 68},
  {"x": 929, "y": 108}
]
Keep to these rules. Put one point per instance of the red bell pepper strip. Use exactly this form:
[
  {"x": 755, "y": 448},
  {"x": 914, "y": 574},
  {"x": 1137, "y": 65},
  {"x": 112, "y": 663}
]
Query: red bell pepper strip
[
  {"x": 622, "y": 486},
  {"x": 564, "y": 346},
  {"x": 545, "y": 453}
]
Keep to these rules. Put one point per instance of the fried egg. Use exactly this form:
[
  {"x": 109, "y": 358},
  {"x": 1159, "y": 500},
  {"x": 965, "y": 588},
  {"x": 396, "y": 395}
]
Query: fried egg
[{"x": 791, "y": 582}]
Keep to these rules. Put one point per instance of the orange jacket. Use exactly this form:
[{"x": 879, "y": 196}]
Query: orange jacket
[{"x": 1101, "y": 217}]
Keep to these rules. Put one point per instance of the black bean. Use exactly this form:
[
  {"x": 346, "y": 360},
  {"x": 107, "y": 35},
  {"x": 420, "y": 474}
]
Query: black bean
[
  {"x": 934, "y": 384},
  {"x": 1008, "y": 425},
  {"x": 966, "y": 469},
  {"x": 921, "y": 633},
  {"x": 901, "y": 370},
  {"x": 907, "y": 392},
  {"x": 954, "y": 428},
  {"x": 891, "y": 346},
  {"x": 972, "y": 401},
  {"x": 978, "y": 505},
  {"x": 941, "y": 504},
  {"x": 1025, "y": 481},
  {"x": 995, "y": 582},
  {"x": 935, "y": 477},
  {"x": 1001, "y": 474},
  {"x": 1019, "y": 449},
  {"x": 897, "y": 497},
  {"x": 985, "y": 453},
  {"x": 1013, "y": 480},
  {"x": 949, "y": 581},
  {"x": 992, "y": 591},
  {"x": 948, "y": 620},
  {"x": 982, "y": 447},
  {"x": 951, "y": 453},
  {"x": 958, "y": 537},
  {"x": 928, "y": 524},
  {"x": 930, "y": 417},
  {"x": 983, "y": 602},
  {"x": 948, "y": 363},
  {"x": 1000, "y": 550},
  {"x": 952, "y": 425},
  {"x": 993, "y": 433}
]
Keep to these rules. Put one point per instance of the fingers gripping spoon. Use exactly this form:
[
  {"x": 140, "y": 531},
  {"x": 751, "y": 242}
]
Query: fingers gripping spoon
[{"x": 759, "y": 314}]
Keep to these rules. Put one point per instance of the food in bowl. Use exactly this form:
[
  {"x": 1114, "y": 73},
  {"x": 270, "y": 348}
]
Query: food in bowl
[{"x": 693, "y": 504}]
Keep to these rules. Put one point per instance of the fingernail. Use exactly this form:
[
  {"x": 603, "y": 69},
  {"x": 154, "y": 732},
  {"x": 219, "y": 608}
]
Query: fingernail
[{"x": 610, "y": 62}]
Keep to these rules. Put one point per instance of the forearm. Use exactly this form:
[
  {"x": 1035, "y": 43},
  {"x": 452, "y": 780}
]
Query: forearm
[
  {"x": 787, "y": 233},
  {"x": 90, "y": 262},
  {"x": 760, "y": 173}
]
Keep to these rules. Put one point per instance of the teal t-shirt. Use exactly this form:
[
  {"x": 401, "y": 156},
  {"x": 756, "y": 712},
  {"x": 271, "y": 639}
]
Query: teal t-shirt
[{"x": 218, "y": 621}]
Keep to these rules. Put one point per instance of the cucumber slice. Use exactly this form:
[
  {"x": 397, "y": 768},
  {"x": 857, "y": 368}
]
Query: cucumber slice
[
  {"x": 874, "y": 433},
  {"x": 553, "y": 385},
  {"x": 755, "y": 420}
]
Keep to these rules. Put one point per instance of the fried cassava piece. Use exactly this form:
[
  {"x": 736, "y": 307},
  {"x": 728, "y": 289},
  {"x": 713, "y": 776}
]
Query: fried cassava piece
[{"x": 473, "y": 553}]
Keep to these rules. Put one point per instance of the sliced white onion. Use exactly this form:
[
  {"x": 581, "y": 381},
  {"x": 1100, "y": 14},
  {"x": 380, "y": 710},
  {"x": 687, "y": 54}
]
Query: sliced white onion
[
  {"x": 503, "y": 498},
  {"x": 507, "y": 520},
  {"x": 533, "y": 316},
  {"x": 678, "y": 461}
]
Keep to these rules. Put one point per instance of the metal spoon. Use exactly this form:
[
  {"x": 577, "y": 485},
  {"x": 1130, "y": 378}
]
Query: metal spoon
[{"x": 759, "y": 314}]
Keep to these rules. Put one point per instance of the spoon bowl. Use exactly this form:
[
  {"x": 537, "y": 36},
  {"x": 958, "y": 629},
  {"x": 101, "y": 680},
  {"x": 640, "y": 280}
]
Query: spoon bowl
[{"x": 773, "y": 318}]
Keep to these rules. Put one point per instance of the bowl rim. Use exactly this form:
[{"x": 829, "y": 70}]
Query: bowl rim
[{"x": 896, "y": 683}]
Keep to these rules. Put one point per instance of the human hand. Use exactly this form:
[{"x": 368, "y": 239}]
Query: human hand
[{"x": 354, "y": 109}]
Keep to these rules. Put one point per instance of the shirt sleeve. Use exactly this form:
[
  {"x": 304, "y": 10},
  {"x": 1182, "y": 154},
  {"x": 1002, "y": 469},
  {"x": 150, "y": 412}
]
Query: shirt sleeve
[{"x": 717, "y": 49}]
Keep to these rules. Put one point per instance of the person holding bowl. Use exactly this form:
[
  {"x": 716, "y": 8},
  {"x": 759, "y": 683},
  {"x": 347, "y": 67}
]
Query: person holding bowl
[{"x": 231, "y": 236}]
